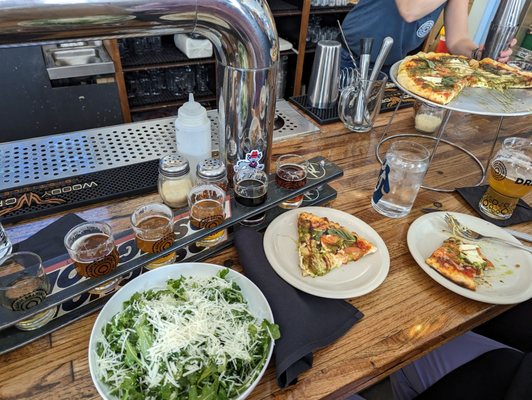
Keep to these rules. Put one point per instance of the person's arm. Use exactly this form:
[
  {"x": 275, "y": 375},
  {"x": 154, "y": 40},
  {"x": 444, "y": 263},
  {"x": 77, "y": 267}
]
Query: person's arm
[
  {"x": 412, "y": 10},
  {"x": 456, "y": 28}
]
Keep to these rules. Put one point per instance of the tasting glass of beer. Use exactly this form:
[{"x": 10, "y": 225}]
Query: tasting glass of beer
[
  {"x": 251, "y": 189},
  {"x": 207, "y": 210},
  {"x": 153, "y": 225},
  {"x": 291, "y": 174},
  {"x": 92, "y": 248},
  {"x": 23, "y": 285},
  {"x": 509, "y": 178}
]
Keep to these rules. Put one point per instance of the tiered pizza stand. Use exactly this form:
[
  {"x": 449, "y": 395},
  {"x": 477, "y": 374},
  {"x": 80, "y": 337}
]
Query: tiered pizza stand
[{"x": 479, "y": 101}]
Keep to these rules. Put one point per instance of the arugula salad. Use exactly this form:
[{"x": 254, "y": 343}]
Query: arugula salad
[{"x": 194, "y": 339}]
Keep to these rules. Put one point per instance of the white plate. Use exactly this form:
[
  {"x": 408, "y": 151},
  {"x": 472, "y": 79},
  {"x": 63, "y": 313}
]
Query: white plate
[
  {"x": 157, "y": 278},
  {"x": 509, "y": 282},
  {"x": 354, "y": 279}
]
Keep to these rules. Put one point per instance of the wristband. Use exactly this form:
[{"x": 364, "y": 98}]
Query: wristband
[{"x": 477, "y": 54}]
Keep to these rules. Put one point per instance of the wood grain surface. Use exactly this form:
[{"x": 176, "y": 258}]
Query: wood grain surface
[{"x": 405, "y": 317}]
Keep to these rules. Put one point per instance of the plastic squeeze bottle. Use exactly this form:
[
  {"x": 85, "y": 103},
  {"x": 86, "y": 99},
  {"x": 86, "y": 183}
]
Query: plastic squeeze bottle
[{"x": 193, "y": 132}]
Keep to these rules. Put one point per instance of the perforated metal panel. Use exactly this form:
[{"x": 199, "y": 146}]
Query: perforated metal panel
[{"x": 49, "y": 158}]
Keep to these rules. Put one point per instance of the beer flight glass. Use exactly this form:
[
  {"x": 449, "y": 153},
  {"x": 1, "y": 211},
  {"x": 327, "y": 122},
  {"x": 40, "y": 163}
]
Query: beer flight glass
[
  {"x": 23, "y": 285},
  {"x": 207, "y": 210},
  {"x": 509, "y": 178},
  {"x": 291, "y": 174},
  {"x": 251, "y": 189},
  {"x": 92, "y": 248},
  {"x": 153, "y": 225}
]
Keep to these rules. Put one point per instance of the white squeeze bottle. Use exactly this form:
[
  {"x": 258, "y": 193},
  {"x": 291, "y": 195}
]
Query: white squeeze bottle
[{"x": 193, "y": 132}]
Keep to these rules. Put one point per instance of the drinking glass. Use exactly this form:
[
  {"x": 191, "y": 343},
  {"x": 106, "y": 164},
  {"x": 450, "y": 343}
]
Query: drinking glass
[
  {"x": 91, "y": 246},
  {"x": 23, "y": 285},
  {"x": 207, "y": 210},
  {"x": 401, "y": 176},
  {"x": 509, "y": 178},
  {"x": 251, "y": 189},
  {"x": 360, "y": 103},
  {"x": 153, "y": 225},
  {"x": 291, "y": 174}
]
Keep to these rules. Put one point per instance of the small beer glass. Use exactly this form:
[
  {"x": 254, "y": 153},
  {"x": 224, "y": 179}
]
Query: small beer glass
[
  {"x": 400, "y": 178},
  {"x": 153, "y": 225},
  {"x": 291, "y": 174},
  {"x": 91, "y": 246},
  {"x": 23, "y": 285},
  {"x": 251, "y": 189},
  {"x": 207, "y": 210},
  {"x": 509, "y": 178}
]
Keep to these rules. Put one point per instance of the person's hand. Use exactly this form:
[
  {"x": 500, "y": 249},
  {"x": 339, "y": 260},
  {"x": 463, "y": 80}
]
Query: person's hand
[{"x": 504, "y": 56}]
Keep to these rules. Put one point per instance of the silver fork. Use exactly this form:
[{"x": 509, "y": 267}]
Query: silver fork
[{"x": 467, "y": 233}]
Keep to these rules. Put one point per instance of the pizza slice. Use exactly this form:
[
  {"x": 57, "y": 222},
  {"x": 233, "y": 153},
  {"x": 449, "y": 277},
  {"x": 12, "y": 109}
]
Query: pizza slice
[
  {"x": 459, "y": 262},
  {"x": 324, "y": 245},
  {"x": 496, "y": 75},
  {"x": 434, "y": 76}
]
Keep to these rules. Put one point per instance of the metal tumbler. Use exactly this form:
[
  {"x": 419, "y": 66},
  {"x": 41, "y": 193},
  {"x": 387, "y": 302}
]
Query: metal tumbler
[
  {"x": 504, "y": 27},
  {"x": 323, "y": 85}
]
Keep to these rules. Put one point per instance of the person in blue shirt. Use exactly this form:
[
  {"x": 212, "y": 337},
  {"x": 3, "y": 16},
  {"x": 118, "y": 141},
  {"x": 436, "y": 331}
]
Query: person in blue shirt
[{"x": 408, "y": 22}]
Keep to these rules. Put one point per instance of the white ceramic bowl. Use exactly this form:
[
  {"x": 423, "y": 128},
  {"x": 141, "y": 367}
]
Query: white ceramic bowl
[{"x": 157, "y": 278}]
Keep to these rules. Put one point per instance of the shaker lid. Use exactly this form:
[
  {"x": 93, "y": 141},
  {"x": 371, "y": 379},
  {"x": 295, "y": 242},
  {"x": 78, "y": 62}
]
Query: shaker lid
[
  {"x": 173, "y": 165},
  {"x": 211, "y": 168}
]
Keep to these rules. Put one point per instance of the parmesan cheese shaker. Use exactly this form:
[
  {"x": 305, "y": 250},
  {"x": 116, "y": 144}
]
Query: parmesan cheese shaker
[{"x": 174, "y": 180}]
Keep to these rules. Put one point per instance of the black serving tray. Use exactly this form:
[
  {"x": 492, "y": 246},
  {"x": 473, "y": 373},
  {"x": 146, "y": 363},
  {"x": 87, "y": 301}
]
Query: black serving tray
[{"x": 70, "y": 291}]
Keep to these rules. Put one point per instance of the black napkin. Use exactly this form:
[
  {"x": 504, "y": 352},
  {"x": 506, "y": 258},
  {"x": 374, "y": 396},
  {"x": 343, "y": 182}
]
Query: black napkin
[
  {"x": 48, "y": 242},
  {"x": 522, "y": 212},
  {"x": 307, "y": 322}
]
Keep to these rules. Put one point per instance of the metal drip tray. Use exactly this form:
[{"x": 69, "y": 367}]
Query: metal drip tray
[{"x": 43, "y": 159}]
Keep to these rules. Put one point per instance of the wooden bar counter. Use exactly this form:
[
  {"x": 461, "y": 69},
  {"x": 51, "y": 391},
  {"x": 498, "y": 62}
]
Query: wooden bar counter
[{"x": 405, "y": 317}]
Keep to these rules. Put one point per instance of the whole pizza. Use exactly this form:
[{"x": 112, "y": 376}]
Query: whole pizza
[{"x": 440, "y": 77}]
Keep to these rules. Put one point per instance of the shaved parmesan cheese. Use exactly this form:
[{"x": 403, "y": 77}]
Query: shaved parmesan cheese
[{"x": 432, "y": 79}]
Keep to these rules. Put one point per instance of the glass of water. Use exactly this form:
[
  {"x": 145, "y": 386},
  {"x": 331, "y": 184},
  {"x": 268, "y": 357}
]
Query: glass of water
[{"x": 400, "y": 178}]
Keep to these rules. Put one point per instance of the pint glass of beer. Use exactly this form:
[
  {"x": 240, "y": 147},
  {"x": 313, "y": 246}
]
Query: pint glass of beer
[
  {"x": 92, "y": 248},
  {"x": 153, "y": 225},
  {"x": 509, "y": 178}
]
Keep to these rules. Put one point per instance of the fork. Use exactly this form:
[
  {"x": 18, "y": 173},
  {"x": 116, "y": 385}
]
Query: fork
[{"x": 467, "y": 233}]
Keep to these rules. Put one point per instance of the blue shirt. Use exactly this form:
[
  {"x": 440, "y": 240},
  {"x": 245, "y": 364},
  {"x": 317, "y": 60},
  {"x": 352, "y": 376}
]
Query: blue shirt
[{"x": 381, "y": 18}]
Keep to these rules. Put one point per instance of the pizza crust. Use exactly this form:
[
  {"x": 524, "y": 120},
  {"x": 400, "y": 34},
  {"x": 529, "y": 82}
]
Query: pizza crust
[{"x": 452, "y": 274}]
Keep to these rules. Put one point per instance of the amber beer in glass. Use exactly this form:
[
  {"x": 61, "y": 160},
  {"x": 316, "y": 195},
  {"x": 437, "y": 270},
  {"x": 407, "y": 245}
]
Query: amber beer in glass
[
  {"x": 509, "y": 178},
  {"x": 92, "y": 248},
  {"x": 207, "y": 210},
  {"x": 153, "y": 225},
  {"x": 291, "y": 174}
]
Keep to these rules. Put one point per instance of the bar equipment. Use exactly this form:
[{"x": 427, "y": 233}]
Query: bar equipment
[
  {"x": 243, "y": 34},
  {"x": 503, "y": 27},
  {"x": 356, "y": 96},
  {"x": 366, "y": 45},
  {"x": 323, "y": 84}
]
